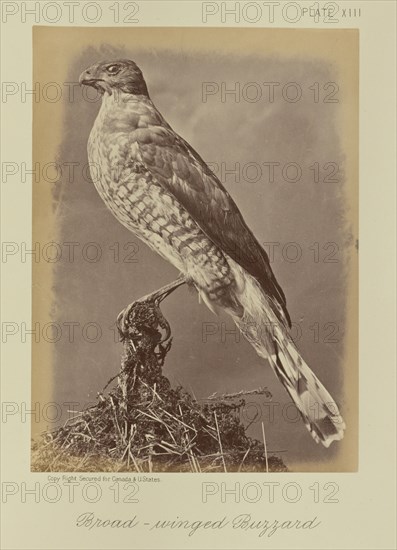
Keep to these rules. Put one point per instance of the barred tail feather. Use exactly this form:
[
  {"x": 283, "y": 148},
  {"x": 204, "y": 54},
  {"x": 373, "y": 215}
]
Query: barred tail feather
[
  {"x": 270, "y": 338},
  {"x": 318, "y": 410}
]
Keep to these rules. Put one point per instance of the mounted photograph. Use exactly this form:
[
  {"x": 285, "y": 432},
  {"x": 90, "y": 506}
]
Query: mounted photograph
[{"x": 196, "y": 215}]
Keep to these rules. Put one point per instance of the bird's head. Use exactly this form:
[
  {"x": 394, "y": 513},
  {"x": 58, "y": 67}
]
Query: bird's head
[{"x": 107, "y": 76}]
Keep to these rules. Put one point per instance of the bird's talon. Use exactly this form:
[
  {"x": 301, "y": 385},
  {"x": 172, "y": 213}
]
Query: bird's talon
[
  {"x": 167, "y": 334},
  {"x": 122, "y": 320}
]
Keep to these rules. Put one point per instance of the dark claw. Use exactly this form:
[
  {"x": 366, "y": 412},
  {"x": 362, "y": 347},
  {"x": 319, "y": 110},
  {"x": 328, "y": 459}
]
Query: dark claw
[
  {"x": 165, "y": 326},
  {"x": 122, "y": 320}
]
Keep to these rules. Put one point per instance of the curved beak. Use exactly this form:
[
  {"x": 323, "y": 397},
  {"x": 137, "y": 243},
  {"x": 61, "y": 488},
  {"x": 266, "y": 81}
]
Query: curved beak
[{"x": 86, "y": 78}]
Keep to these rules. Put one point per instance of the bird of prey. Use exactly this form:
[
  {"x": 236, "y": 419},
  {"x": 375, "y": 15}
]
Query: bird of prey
[{"x": 159, "y": 187}]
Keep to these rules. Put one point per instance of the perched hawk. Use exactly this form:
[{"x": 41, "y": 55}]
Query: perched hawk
[{"x": 158, "y": 187}]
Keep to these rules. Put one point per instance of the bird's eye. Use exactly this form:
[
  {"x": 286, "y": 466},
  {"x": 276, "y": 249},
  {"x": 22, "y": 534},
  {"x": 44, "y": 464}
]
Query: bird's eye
[{"x": 113, "y": 69}]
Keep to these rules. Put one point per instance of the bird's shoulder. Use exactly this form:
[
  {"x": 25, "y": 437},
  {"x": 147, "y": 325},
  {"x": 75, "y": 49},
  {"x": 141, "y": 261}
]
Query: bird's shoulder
[{"x": 172, "y": 159}]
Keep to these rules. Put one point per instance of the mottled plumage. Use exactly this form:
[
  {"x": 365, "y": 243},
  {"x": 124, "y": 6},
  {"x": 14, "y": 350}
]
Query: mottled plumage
[{"x": 161, "y": 189}]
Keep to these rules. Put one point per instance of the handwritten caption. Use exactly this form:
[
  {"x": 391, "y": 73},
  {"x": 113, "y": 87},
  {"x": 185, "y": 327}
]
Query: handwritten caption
[{"x": 242, "y": 522}]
